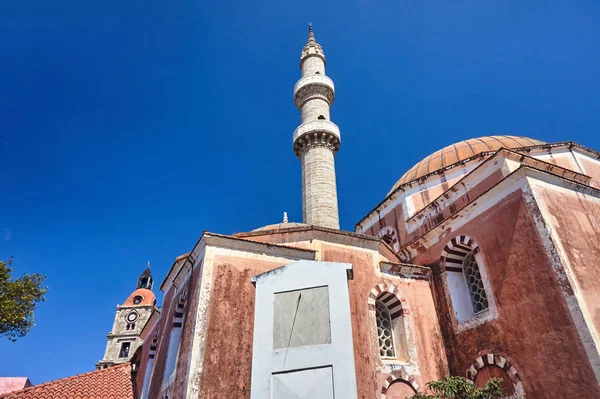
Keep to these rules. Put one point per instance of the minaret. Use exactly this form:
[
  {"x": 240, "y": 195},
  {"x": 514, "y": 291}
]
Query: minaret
[{"x": 317, "y": 139}]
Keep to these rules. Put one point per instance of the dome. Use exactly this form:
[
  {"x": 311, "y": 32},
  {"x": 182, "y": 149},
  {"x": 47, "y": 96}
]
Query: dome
[
  {"x": 147, "y": 298},
  {"x": 281, "y": 226},
  {"x": 460, "y": 151}
]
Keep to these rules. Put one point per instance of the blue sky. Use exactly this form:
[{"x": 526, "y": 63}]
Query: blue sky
[{"x": 128, "y": 128}]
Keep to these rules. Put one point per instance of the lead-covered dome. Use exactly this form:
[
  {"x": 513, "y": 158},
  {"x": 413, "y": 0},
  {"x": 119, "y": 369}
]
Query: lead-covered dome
[
  {"x": 280, "y": 226},
  {"x": 461, "y": 151}
]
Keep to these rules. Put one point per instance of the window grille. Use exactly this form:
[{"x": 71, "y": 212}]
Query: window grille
[
  {"x": 384, "y": 330},
  {"x": 475, "y": 283}
]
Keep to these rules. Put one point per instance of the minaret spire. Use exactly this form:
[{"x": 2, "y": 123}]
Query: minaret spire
[
  {"x": 311, "y": 35},
  {"x": 317, "y": 139}
]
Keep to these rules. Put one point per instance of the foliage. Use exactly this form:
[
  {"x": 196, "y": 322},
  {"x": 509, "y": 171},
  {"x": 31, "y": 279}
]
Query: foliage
[
  {"x": 18, "y": 298},
  {"x": 461, "y": 388}
]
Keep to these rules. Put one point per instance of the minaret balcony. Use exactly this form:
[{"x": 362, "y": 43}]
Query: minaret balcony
[
  {"x": 313, "y": 86},
  {"x": 320, "y": 132}
]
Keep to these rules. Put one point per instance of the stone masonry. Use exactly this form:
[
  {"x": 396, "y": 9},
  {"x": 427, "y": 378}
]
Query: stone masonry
[{"x": 317, "y": 139}]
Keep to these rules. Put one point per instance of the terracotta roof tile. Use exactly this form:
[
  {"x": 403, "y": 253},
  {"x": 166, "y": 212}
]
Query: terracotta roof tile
[
  {"x": 111, "y": 382},
  {"x": 148, "y": 297},
  {"x": 460, "y": 151}
]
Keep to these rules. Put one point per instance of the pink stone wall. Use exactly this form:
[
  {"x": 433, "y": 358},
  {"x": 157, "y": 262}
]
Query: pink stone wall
[
  {"x": 10, "y": 384},
  {"x": 227, "y": 363},
  {"x": 418, "y": 294},
  {"x": 534, "y": 329},
  {"x": 165, "y": 327},
  {"x": 231, "y": 315},
  {"x": 576, "y": 221}
]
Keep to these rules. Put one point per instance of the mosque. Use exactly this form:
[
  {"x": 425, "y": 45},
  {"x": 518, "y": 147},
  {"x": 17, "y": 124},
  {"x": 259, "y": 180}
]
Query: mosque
[{"x": 481, "y": 261}]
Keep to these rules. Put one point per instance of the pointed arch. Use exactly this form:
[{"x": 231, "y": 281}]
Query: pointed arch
[
  {"x": 455, "y": 251},
  {"x": 391, "y": 324},
  {"x": 490, "y": 359},
  {"x": 399, "y": 376},
  {"x": 467, "y": 288}
]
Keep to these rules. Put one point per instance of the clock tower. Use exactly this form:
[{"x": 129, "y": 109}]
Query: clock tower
[{"x": 129, "y": 322}]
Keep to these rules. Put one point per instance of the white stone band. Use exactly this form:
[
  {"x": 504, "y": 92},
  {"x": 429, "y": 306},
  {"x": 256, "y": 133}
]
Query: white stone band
[
  {"x": 313, "y": 86},
  {"x": 316, "y": 134},
  {"x": 317, "y": 126}
]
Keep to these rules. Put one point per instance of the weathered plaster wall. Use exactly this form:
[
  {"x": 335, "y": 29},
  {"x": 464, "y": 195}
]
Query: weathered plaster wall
[
  {"x": 574, "y": 219},
  {"x": 562, "y": 157},
  {"x": 418, "y": 224},
  {"x": 371, "y": 373},
  {"x": 157, "y": 387},
  {"x": 591, "y": 168},
  {"x": 147, "y": 337},
  {"x": 183, "y": 361},
  {"x": 226, "y": 353},
  {"x": 227, "y": 365},
  {"x": 534, "y": 328}
]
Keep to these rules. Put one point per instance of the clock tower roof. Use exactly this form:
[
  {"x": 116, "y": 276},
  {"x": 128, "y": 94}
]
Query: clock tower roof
[{"x": 141, "y": 297}]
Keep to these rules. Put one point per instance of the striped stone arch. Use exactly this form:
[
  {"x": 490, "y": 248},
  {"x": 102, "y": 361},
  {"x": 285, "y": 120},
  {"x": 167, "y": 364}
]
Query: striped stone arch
[
  {"x": 179, "y": 308},
  {"x": 399, "y": 376},
  {"x": 490, "y": 359},
  {"x": 455, "y": 251},
  {"x": 391, "y": 297}
]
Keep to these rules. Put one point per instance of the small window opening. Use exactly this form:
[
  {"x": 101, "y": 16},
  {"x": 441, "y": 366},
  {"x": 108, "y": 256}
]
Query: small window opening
[
  {"x": 137, "y": 300},
  {"x": 317, "y": 73},
  {"x": 384, "y": 330},
  {"x": 124, "y": 352},
  {"x": 321, "y": 117},
  {"x": 479, "y": 300},
  {"x": 388, "y": 239}
]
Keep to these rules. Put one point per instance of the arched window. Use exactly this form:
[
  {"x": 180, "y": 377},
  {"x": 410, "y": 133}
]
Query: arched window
[
  {"x": 384, "y": 330},
  {"x": 321, "y": 117},
  {"x": 474, "y": 281},
  {"x": 465, "y": 278},
  {"x": 391, "y": 332},
  {"x": 495, "y": 366}
]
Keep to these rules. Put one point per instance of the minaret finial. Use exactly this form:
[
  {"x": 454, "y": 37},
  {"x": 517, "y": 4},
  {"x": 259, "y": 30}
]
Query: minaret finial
[
  {"x": 285, "y": 218},
  {"x": 311, "y": 35}
]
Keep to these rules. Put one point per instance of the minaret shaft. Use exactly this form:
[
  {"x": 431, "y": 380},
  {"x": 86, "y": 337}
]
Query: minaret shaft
[
  {"x": 319, "y": 193},
  {"x": 317, "y": 139}
]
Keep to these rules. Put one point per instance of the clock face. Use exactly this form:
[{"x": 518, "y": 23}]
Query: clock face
[
  {"x": 389, "y": 234},
  {"x": 131, "y": 317}
]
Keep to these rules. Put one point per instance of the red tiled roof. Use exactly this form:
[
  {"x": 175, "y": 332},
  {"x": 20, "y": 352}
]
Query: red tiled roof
[
  {"x": 110, "y": 383},
  {"x": 148, "y": 297}
]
